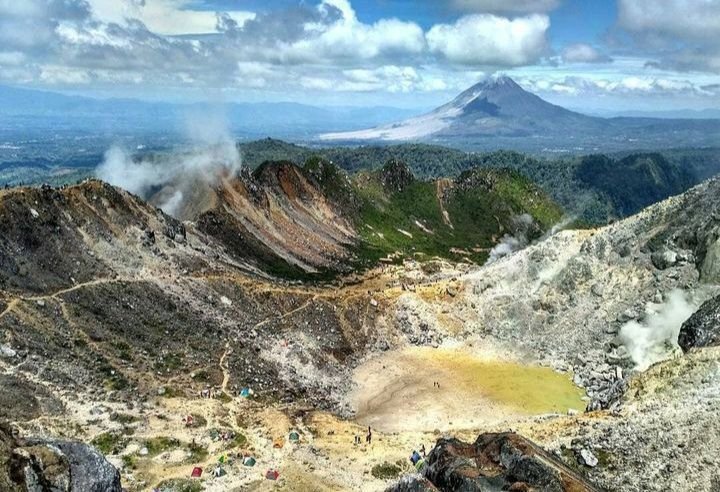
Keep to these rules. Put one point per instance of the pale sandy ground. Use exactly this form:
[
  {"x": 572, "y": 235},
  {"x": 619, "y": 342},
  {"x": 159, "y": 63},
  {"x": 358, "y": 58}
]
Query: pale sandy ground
[
  {"x": 392, "y": 395},
  {"x": 395, "y": 392}
]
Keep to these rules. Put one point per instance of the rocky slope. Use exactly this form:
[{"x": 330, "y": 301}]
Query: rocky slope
[{"x": 117, "y": 322}]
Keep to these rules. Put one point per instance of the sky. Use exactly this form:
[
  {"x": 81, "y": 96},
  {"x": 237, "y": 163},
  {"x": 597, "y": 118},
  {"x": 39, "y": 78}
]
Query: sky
[{"x": 593, "y": 55}]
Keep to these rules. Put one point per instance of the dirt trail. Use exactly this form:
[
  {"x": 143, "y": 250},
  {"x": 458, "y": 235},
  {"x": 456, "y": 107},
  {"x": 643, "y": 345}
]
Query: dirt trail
[
  {"x": 303, "y": 306},
  {"x": 11, "y": 305},
  {"x": 440, "y": 187},
  {"x": 224, "y": 366}
]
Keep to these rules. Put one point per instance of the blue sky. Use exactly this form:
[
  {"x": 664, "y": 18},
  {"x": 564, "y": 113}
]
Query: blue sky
[{"x": 599, "y": 55}]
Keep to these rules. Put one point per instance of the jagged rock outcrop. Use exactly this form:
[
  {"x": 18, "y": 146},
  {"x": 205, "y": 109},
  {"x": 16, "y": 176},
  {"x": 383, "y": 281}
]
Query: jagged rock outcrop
[
  {"x": 412, "y": 483},
  {"x": 52, "y": 465},
  {"x": 504, "y": 461},
  {"x": 703, "y": 327}
]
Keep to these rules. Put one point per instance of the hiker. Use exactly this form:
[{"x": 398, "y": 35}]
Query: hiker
[
  {"x": 368, "y": 438},
  {"x": 357, "y": 440},
  {"x": 422, "y": 450},
  {"x": 415, "y": 457}
]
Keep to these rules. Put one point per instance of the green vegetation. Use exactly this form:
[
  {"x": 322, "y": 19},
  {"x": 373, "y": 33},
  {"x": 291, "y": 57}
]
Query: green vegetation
[
  {"x": 157, "y": 445},
  {"x": 238, "y": 441},
  {"x": 110, "y": 442},
  {"x": 635, "y": 181},
  {"x": 462, "y": 221},
  {"x": 197, "y": 453},
  {"x": 169, "y": 362},
  {"x": 565, "y": 179},
  {"x": 179, "y": 485},
  {"x": 129, "y": 461},
  {"x": 122, "y": 418},
  {"x": 198, "y": 420},
  {"x": 386, "y": 471}
]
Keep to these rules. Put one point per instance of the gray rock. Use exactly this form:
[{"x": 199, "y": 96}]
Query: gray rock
[
  {"x": 588, "y": 458},
  {"x": 7, "y": 352},
  {"x": 703, "y": 327},
  {"x": 664, "y": 259},
  {"x": 50, "y": 465},
  {"x": 627, "y": 315}
]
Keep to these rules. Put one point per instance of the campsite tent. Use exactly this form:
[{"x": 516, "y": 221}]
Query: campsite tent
[
  {"x": 245, "y": 393},
  {"x": 197, "y": 472},
  {"x": 294, "y": 436},
  {"x": 249, "y": 461},
  {"x": 272, "y": 474}
]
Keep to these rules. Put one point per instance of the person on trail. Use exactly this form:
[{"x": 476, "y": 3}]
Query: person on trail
[
  {"x": 368, "y": 438},
  {"x": 422, "y": 450},
  {"x": 357, "y": 440}
]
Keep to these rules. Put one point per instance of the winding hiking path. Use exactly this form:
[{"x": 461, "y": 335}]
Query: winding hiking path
[
  {"x": 11, "y": 305},
  {"x": 224, "y": 366},
  {"x": 303, "y": 306}
]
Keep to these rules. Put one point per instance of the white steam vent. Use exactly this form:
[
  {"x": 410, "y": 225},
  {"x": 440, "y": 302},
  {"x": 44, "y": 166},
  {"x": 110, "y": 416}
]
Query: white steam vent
[
  {"x": 655, "y": 337},
  {"x": 213, "y": 154}
]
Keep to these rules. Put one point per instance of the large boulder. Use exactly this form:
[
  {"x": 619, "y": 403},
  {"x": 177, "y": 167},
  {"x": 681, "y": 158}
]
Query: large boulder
[
  {"x": 50, "y": 465},
  {"x": 702, "y": 329},
  {"x": 413, "y": 483},
  {"x": 494, "y": 462}
]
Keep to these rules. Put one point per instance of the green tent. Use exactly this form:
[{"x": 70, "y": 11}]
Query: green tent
[
  {"x": 294, "y": 436},
  {"x": 249, "y": 461}
]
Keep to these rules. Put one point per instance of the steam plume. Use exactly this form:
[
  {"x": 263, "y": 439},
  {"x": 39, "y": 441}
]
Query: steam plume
[
  {"x": 655, "y": 338},
  {"x": 212, "y": 155}
]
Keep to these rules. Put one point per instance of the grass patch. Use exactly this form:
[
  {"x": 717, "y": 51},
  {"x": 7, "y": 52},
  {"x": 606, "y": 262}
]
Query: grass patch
[
  {"x": 238, "y": 441},
  {"x": 129, "y": 461},
  {"x": 179, "y": 485},
  {"x": 157, "y": 445},
  {"x": 172, "y": 392},
  {"x": 169, "y": 362},
  {"x": 109, "y": 442},
  {"x": 123, "y": 418},
  {"x": 198, "y": 420},
  {"x": 386, "y": 471},
  {"x": 197, "y": 452}
]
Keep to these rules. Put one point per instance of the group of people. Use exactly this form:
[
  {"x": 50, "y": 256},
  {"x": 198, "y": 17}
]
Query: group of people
[
  {"x": 416, "y": 457},
  {"x": 436, "y": 384},
  {"x": 368, "y": 437}
]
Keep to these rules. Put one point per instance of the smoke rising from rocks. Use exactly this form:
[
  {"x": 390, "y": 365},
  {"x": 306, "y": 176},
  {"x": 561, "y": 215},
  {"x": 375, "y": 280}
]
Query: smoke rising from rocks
[
  {"x": 655, "y": 337},
  {"x": 213, "y": 154}
]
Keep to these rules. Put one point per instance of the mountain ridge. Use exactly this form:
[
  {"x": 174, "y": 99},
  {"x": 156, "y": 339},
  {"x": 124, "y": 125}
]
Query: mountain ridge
[{"x": 499, "y": 108}]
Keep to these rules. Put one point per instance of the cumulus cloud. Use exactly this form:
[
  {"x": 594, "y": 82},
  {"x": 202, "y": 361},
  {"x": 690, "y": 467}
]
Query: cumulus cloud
[
  {"x": 321, "y": 43},
  {"x": 506, "y": 6},
  {"x": 583, "y": 53},
  {"x": 170, "y": 17},
  {"x": 485, "y": 39}
]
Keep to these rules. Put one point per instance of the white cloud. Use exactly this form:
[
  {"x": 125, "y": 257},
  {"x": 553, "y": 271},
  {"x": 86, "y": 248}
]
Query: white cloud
[
  {"x": 683, "y": 18},
  {"x": 11, "y": 58},
  {"x": 630, "y": 85},
  {"x": 346, "y": 37},
  {"x": 679, "y": 34},
  {"x": 389, "y": 78},
  {"x": 583, "y": 53},
  {"x": 168, "y": 17},
  {"x": 506, "y": 5},
  {"x": 491, "y": 40}
]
